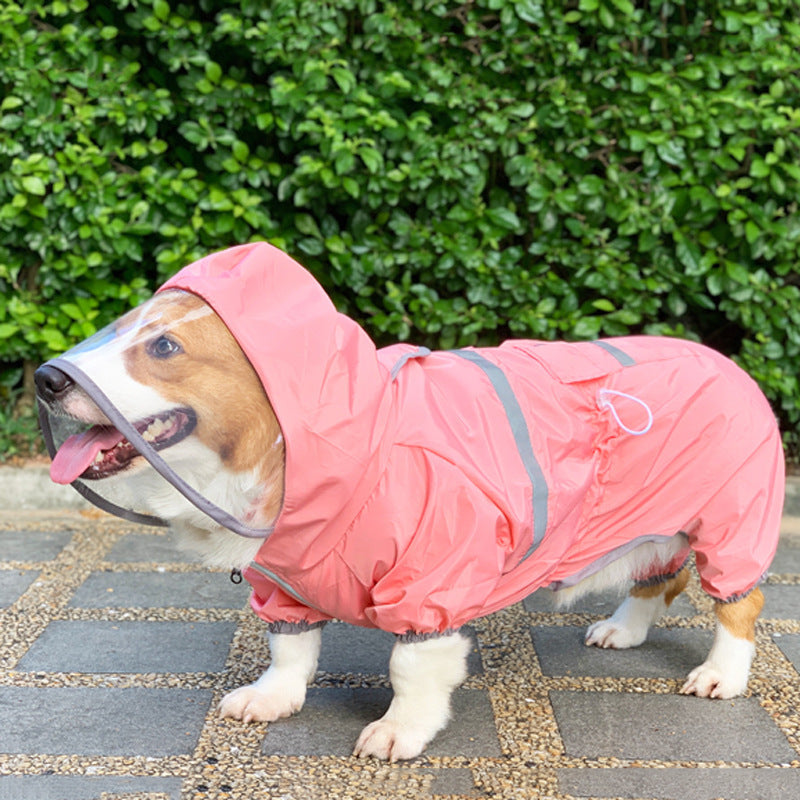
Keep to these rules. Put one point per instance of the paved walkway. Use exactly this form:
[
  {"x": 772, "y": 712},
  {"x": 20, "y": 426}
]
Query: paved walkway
[{"x": 114, "y": 651}]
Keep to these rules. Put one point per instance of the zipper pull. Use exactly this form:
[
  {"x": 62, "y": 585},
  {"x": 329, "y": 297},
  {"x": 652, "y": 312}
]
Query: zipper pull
[{"x": 236, "y": 575}]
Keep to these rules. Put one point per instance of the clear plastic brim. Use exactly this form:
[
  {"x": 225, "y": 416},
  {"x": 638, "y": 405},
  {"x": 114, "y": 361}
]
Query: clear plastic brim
[{"x": 122, "y": 443}]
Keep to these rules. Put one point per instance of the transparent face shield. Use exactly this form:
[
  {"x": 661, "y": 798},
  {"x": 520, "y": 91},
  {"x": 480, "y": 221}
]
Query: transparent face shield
[{"x": 134, "y": 418}]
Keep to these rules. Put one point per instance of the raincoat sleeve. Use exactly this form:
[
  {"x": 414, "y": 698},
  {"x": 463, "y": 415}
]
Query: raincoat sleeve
[
  {"x": 275, "y": 606},
  {"x": 452, "y": 562}
]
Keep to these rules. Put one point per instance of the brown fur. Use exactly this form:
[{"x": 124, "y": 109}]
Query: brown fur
[
  {"x": 670, "y": 588},
  {"x": 739, "y": 617},
  {"x": 212, "y": 377}
]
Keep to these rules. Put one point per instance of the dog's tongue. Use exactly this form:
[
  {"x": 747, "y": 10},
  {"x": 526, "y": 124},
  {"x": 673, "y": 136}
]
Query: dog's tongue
[{"x": 76, "y": 455}]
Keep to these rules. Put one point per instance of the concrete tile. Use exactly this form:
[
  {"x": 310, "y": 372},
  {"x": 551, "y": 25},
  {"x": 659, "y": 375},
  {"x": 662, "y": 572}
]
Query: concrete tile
[
  {"x": 155, "y": 547},
  {"x": 781, "y": 602},
  {"x": 789, "y": 645},
  {"x": 667, "y": 727},
  {"x": 681, "y": 783},
  {"x": 102, "y": 722},
  {"x": 84, "y": 787},
  {"x": 130, "y": 647},
  {"x": 787, "y": 559},
  {"x": 332, "y": 719},
  {"x": 666, "y": 654},
  {"x": 14, "y": 583},
  {"x": 458, "y": 781},
  {"x": 160, "y": 590},
  {"x": 32, "y": 545},
  {"x": 602, "y": 603},
  {"x": 348, "y": 649}
]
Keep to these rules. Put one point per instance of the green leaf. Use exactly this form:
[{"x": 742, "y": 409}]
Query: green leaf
[
  {"x": 33, "y": 184},
  {"x": 503, "y": 217}
]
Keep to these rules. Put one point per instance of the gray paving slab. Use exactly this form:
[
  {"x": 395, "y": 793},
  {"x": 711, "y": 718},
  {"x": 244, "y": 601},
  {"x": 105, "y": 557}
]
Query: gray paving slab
[
  {"x": 159, "y": 590},
  {"x": 787, "y": 559},
  {"x": 103, "y": 722},
  {"x": 781, "y": 602},
  {"x": 84, "y": 787},
  {"x": 332, "y": 719},
  {"x": 366, "y": 651},
  {"x": 129, "y": 647},
  {"x": 680, "y": 783},
  {"x": 603, "y": 603},
  {"x": 667, "y": 653},
  {"x": 32, "y": 545},
  {"x": 668, "y": 727},
  {"x": 789, "y": 644},
  {"x": 14, "y": 583},
  {"x": 458, "y": 781},
  {"x": 159, "y": 546}
]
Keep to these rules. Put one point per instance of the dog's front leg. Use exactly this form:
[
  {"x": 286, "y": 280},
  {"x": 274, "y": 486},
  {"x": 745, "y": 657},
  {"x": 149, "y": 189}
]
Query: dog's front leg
[
  {"x": 423, "y": 676},
  {"x": 281, "y": 690}
]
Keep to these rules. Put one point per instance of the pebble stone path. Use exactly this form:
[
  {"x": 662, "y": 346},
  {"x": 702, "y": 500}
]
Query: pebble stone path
[{"x": 115, "y": 650}]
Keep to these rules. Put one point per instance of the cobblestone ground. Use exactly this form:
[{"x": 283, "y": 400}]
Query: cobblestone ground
[{"x": 115, "y": 650}]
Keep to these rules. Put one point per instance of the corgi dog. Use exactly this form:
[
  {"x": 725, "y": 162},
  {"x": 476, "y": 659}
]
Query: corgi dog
[{"x": 261, "y": 425}]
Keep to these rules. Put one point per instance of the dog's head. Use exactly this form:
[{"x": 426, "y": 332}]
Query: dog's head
[{"x": 174, "y": 373}]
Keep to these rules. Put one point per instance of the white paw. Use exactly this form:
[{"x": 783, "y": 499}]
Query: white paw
[
  {"x": 610, "y": 634},
  {"x": 390, "y": 741},
  {"x": 251, "y": 704},
  {"x": 708, "y": 680}
]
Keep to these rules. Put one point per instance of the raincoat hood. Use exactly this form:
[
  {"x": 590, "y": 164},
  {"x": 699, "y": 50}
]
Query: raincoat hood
[{"x": 319, "y": 369}]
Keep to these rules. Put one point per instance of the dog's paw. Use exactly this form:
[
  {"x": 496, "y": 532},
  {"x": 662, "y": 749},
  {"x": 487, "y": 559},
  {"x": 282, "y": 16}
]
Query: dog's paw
[
  {"x": 708, "y": 680},
  {"x": 390, "y": 741},
  {"x": 251, "y": 704},
  {"x": 610, "y": 634}
]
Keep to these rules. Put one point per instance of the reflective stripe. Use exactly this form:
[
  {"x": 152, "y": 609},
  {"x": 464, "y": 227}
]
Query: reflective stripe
[
  {"x": 519, "y": 429},
  {"x": 282, "y": 583},
  {"x": 420, "y": 352},
  {"x": 613, "y": 350}
]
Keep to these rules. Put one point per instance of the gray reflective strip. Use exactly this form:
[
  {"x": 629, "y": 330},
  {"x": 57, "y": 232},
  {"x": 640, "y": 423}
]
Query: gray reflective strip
[
  {"x": 282, "y": 583},
  {"x": 613, "y": 350},
  {"x": 519, "y": 429},
  {"x": 420, "y": 352}
]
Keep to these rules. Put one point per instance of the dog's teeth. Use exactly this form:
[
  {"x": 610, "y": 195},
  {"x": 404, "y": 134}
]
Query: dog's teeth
[{"x": 154, "y": 430}]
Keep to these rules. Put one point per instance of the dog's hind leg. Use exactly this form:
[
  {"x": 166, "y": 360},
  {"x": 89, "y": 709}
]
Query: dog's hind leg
[
  {"x": 643, "y": 606},
  {"x": 725, "y": 672}
]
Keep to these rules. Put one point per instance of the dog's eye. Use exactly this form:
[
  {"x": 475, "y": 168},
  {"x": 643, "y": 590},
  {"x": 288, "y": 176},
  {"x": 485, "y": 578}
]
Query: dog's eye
[{"x": 164, "y": 347}]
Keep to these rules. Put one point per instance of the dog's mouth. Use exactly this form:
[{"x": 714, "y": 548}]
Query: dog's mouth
[{"x": 102, "y": 450}]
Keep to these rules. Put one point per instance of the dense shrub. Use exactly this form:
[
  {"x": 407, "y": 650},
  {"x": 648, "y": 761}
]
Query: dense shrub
[{"x": 453, "y": 173}]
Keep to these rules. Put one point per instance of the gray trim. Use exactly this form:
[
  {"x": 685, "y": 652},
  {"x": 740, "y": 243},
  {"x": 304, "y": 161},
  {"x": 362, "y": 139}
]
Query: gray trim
[
  {"x": 411, "y": 637},
  {"x": 286, "y": 628},
  {"x": 420, "y": 352},
  {"x": 156, "y": 462},
  {"x": 615, "y": 351},
  {"x": 282, "y": 584},
  {"x": 612, "y": 556},
  {"x": 663, "y": 577},
  {"x": 519, "y": 429}
]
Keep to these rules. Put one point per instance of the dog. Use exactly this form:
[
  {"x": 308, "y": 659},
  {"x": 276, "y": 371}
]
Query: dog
[{"x": 412, "y": 490}]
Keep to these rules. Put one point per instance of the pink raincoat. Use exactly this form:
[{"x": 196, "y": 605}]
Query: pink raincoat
[{"x": 424, "y": 489}]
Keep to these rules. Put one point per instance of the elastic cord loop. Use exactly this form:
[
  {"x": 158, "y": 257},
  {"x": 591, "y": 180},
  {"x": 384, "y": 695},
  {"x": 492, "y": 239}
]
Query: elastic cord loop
[{"x": 606, "y": 403}]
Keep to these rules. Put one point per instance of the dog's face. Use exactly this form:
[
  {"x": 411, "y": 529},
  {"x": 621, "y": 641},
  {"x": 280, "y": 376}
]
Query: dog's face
[{"x": 175, "y": 372}]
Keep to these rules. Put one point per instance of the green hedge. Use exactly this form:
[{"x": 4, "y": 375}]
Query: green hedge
[{"x": 453, "y": 173}]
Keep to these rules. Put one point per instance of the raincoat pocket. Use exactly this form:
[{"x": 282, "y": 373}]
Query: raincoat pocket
[{"x": 575, "y": 362}]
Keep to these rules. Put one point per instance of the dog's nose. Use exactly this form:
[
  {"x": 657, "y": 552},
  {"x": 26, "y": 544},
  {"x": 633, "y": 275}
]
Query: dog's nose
[{"x": 51, "y": 382}]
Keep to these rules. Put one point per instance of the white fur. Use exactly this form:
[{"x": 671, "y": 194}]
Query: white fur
[
  {"x": 423, "y": 675},
  {"x": 725, "y": 672},
  {"x": 629, "y": 624},
  {"x": 619, "y": 574},
  {"x": 281, "y": 690}
]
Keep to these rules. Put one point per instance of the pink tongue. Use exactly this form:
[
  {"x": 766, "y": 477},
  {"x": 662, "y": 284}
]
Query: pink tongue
[{"x": 76, "y": 455}]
